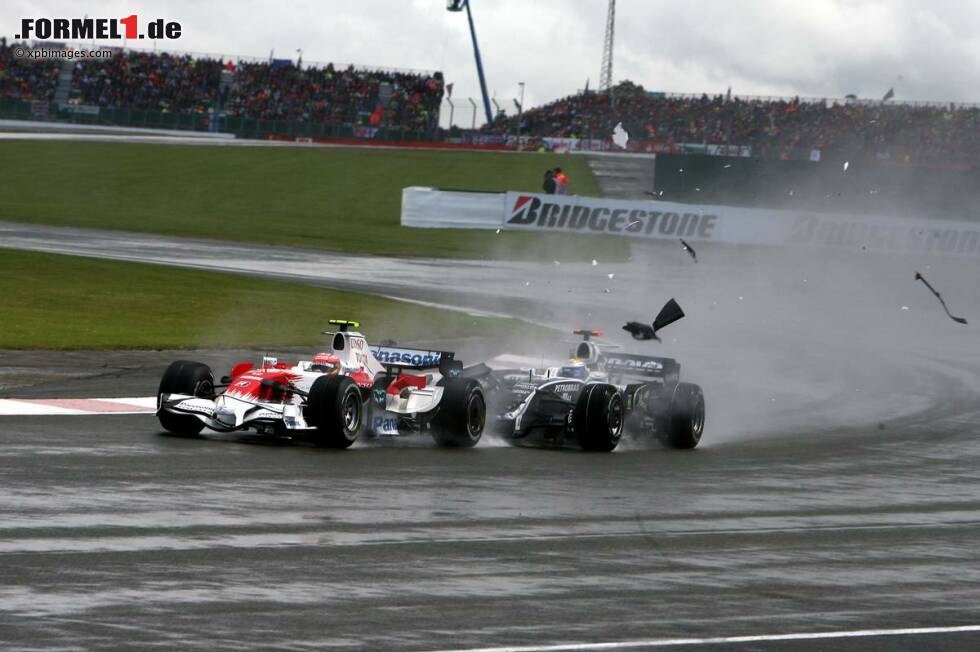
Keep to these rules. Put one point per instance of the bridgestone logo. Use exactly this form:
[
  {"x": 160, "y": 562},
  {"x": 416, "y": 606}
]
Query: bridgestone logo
[
  {"x": 847, "y": 232},
  {"x": 529, "y": 210}
]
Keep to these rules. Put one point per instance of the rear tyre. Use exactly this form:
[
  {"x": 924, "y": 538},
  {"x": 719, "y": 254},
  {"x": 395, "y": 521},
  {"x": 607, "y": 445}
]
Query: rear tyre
[
  {"x": 335, "y": 407},
  {"x": 462, "y": 414},
  {"x": 184, "y": 377},
  {"x": 598, "y": 417},
  {"x": 685, "y": 421}
]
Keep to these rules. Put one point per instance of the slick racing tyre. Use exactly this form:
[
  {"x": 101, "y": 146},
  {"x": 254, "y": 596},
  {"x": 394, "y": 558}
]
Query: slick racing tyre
[
  {"x": 336, "y": 408},
  {"x": 598, "y": 417},
  {"x": 684, "y": 423},
  {"x": 461, "y": 415},
  {"x": 184, "y": 377}
]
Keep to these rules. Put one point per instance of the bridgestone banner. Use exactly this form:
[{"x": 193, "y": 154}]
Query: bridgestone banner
[
  {"x": 609, "y": 216},
  {"x": 428, "y": 208}
]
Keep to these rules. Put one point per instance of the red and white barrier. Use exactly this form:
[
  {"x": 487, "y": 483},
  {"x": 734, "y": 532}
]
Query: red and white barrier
[{"x": 77, "y": 406}]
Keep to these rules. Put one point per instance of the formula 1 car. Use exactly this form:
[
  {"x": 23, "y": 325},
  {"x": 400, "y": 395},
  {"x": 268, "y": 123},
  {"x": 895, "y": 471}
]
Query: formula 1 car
[
  {"x": 333, "y": 398},
  {"x": 593, "y": 398}
]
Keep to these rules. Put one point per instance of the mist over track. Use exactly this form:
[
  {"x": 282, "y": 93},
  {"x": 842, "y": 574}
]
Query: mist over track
[{"x": 836, "y": 489}]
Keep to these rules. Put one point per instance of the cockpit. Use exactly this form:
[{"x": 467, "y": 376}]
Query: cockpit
[
  {"x": 574, "y": 368},
  {"x": 325, "y": 363}
]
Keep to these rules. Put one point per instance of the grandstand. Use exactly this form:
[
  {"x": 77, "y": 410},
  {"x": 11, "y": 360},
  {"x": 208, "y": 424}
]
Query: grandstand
[
  {"x": 251, "y": 98},
  {"x": 21, "y": 79},
  {"x": 276, "y": 97},
  {"x": 904, "y": 156},
  {"x": 930, "y": 134}
]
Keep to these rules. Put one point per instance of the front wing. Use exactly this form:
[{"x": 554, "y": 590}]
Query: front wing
[{"x": 227, "y": 414}]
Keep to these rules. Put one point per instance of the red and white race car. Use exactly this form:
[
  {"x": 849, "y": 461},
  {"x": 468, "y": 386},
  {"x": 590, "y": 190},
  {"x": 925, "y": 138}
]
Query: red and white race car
[{"x": 352, "y": 388}]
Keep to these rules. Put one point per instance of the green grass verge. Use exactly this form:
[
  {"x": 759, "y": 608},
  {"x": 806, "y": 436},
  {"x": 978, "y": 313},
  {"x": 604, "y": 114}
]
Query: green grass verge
[
  {"x": 329, "y": 198},
  {"x": 66, "y": 302}
]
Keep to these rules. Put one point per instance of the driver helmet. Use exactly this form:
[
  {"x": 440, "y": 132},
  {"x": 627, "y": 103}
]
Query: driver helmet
[
  {"x": 325, "y": 363},
  {"x": 574, "y": 368}
]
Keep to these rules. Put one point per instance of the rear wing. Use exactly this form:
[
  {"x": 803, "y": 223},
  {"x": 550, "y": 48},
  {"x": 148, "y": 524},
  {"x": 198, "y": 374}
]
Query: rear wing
[
  {"x": 587, "y": 333},
  {"x": 397, "y": 358},
  {"x": 641, "y": 366}
]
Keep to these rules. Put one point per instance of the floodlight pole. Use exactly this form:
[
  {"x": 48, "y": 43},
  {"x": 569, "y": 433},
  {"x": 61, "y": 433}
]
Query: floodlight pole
[
  {"x": 520, "y": 114},
  {"x": 606, "y": 73},
  {"x": 479, "y": 64},
  {"x": 473, "y": 126}
]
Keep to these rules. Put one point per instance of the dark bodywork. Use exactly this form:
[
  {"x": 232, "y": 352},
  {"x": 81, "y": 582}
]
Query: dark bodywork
[{"x": 532, "y": 406}]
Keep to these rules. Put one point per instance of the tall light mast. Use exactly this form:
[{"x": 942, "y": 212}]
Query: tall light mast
[
  {"x": 606, "y": 74},
  {"x": 459, "y": 5}
]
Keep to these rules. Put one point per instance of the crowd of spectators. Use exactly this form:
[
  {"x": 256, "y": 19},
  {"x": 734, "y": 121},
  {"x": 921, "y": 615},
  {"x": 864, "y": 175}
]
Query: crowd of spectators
[
  {"x": 26, "y": 79},
  {"x": 148, "y": 81},
  {"x": 273, "y": 90},
  {"x": 285, "y": 91},
  {"x": 327, "y": 95},
  {"x": 773, "y": 128}
]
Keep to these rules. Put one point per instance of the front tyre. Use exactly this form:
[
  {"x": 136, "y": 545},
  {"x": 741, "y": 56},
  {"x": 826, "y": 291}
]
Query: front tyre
[
  {"x": 685, "y": 421},
  {"x": 184, "y": 377},
  {"x": 462, "y": 414},
  {"x": 598, "y": 417},
  {"x": 335, "y": 407}
]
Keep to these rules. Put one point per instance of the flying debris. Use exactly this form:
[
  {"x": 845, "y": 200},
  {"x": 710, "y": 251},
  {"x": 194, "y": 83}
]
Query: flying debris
[
  {"x": 670, "y": 313},
  {"x": 640, "y": 331},
  {"x": 689, "y": 249},
  {"x": 619, "y": 136},
  {"x": 920, "y": 277},
  {"x": 632, "y": 224}
]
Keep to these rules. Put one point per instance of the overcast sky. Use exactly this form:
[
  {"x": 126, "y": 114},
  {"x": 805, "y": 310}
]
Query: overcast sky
[{"x": 927, "y": 50}]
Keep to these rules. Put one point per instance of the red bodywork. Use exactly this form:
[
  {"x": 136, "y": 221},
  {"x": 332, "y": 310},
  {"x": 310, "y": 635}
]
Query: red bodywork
[
  {"x": 361, "y": 378},
  {"x": 240, "y": 368},
  {"x": 405, "y": 381},
  {"x": 249, "y": 385}
]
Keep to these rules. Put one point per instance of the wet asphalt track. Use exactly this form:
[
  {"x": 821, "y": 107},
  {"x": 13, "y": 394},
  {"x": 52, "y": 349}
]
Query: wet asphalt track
[
  {"x": 837, "y": 490},
  {"x": 116, "y": 537}
]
